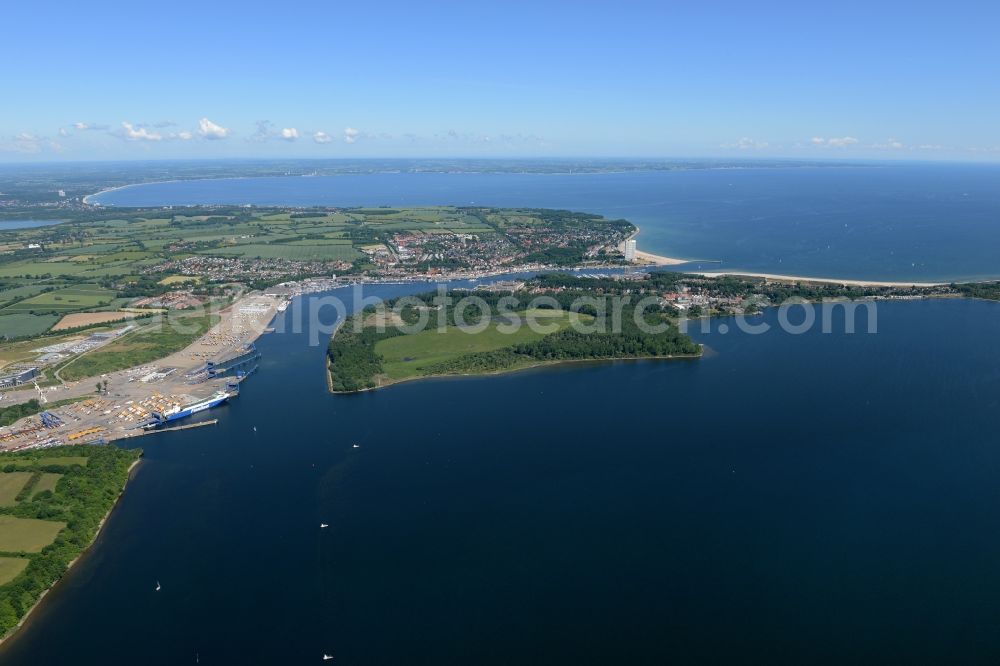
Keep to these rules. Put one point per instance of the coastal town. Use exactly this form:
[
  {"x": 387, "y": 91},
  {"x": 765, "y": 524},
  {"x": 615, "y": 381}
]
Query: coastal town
[
  {"x": 75, "y": 362},
  {"x": 135, "y": 401},
  {"x": 109, "y": 330}
]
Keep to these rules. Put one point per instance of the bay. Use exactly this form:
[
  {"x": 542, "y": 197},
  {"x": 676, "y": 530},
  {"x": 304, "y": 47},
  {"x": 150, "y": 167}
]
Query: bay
[{"x": 921, "y": 222}]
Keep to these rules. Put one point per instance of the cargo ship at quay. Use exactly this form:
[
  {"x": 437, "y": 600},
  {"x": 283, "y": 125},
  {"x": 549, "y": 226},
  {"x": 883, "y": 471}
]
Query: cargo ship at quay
[{"x": 177, "y": 411}]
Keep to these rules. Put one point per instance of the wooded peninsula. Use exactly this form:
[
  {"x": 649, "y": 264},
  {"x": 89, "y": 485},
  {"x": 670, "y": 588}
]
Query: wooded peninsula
[{"x": 489, "y": 331}]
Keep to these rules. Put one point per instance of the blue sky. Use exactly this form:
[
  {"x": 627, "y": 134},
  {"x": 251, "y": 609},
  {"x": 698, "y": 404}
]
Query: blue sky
[{"x": 749, "y": 79}]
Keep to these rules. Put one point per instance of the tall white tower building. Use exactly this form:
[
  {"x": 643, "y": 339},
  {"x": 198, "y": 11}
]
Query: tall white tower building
[{"x": 630, "y": 250}]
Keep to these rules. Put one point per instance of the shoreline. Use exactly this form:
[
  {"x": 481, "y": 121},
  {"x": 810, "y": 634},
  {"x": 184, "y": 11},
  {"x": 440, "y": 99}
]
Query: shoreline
[
  {"x": 528, "y": 172},
  {"x": 86, "y": 199},
  {"x": 821, "y": 280},
  {"x": 661, "y": 260},
  {"x": 505, "y": 371},
  {"x": 69, "y": 567},
  {"x": 643, "y": 258}
]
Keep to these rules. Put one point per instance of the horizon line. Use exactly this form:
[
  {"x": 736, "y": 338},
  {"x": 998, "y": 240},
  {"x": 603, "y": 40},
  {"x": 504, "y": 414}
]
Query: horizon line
[{"x": 533, "y": 158}]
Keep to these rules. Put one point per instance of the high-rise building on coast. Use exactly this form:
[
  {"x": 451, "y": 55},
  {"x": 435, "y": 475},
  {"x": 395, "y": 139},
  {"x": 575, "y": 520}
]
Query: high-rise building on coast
[{"x": 630, "y": 250}]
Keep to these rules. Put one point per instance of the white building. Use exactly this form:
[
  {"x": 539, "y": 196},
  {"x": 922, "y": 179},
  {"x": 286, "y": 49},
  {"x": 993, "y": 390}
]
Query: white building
[{"x": 630, "y": 250}]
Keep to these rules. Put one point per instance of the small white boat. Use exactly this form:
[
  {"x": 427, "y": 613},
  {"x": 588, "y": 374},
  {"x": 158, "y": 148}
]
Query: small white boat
[
  {"x": 327, "y": 657},
  {"x": 355, "y": 446},
  {"x": 255, "y": 428},
  {"x": 323, "y": 526},
  {"x": 157, "y": 586}
]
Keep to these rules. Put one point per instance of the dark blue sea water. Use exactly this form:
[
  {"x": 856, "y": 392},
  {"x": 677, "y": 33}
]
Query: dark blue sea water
[
  {"x": 904, "y": 222},
  {"x": 789, "y": 499}
]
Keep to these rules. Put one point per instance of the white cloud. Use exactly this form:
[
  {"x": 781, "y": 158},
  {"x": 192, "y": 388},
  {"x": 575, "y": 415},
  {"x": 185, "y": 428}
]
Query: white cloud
[
  {"x": 834, "y": 142},
  {"x": 351, "y": 134},
  {"x": 891, "y": 144},
  {"x": 84, "y": 127},
  {"x": 184, "y": 135},
  {"x": 209, "y": 130},
  {"x": 322, "y": 137},
  {"x": 266, "y": 130},
  {"x": 63, "y": 132},
  {"x": 746, "y": 143},
  {"x": 26, "y": 143},
  {"x": 138, "y": 133}
]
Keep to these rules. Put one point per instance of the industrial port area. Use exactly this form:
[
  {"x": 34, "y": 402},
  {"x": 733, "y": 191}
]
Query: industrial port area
[{"x": 150, "y": 398}]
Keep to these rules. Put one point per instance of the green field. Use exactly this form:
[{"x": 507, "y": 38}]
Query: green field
[
  {"x": 47, "y": 481},
  {"x": 52, "y": 460},
  {"x": 10, "y": 567},
  {"x": 27, "y": 535},
  {"x": 68, "y": 299},
  {"x": 84, "y": 269},
  {"x": 311, "y": 252},
  {"x": 64, "y": 511},
  {"x": 143, "y": 346},
  {"x": 407, "y": 356},
  {"x": 24, "y": 324},
  {"x": 17, "y": 293},
  {"x": 11, "y": 484}
]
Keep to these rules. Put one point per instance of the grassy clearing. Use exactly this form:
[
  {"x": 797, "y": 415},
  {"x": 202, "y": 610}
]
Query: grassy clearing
[
  {"x": 23, "y": 324},
  {"x": 407, "y": 356},
  {"x": 144, "y": 346},
  {"x": 36, "y": 269},
  {"x": 48, "y": 482},
  {"x": 8, "y": 295},
  {"x": 27, "y": 535},
  {"x": 52, "y": 460},
  {"x": 64, "y": 300},
  {"x": 337, "y": 252},
  {"x": 11, "y": 484},
  {"x": 10, "y": 567}
]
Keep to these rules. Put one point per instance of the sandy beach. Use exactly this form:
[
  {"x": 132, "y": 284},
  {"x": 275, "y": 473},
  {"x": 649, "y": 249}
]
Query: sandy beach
[
  {"x": 649, "y": 259},
  {"x": 822, "y": 280}
]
